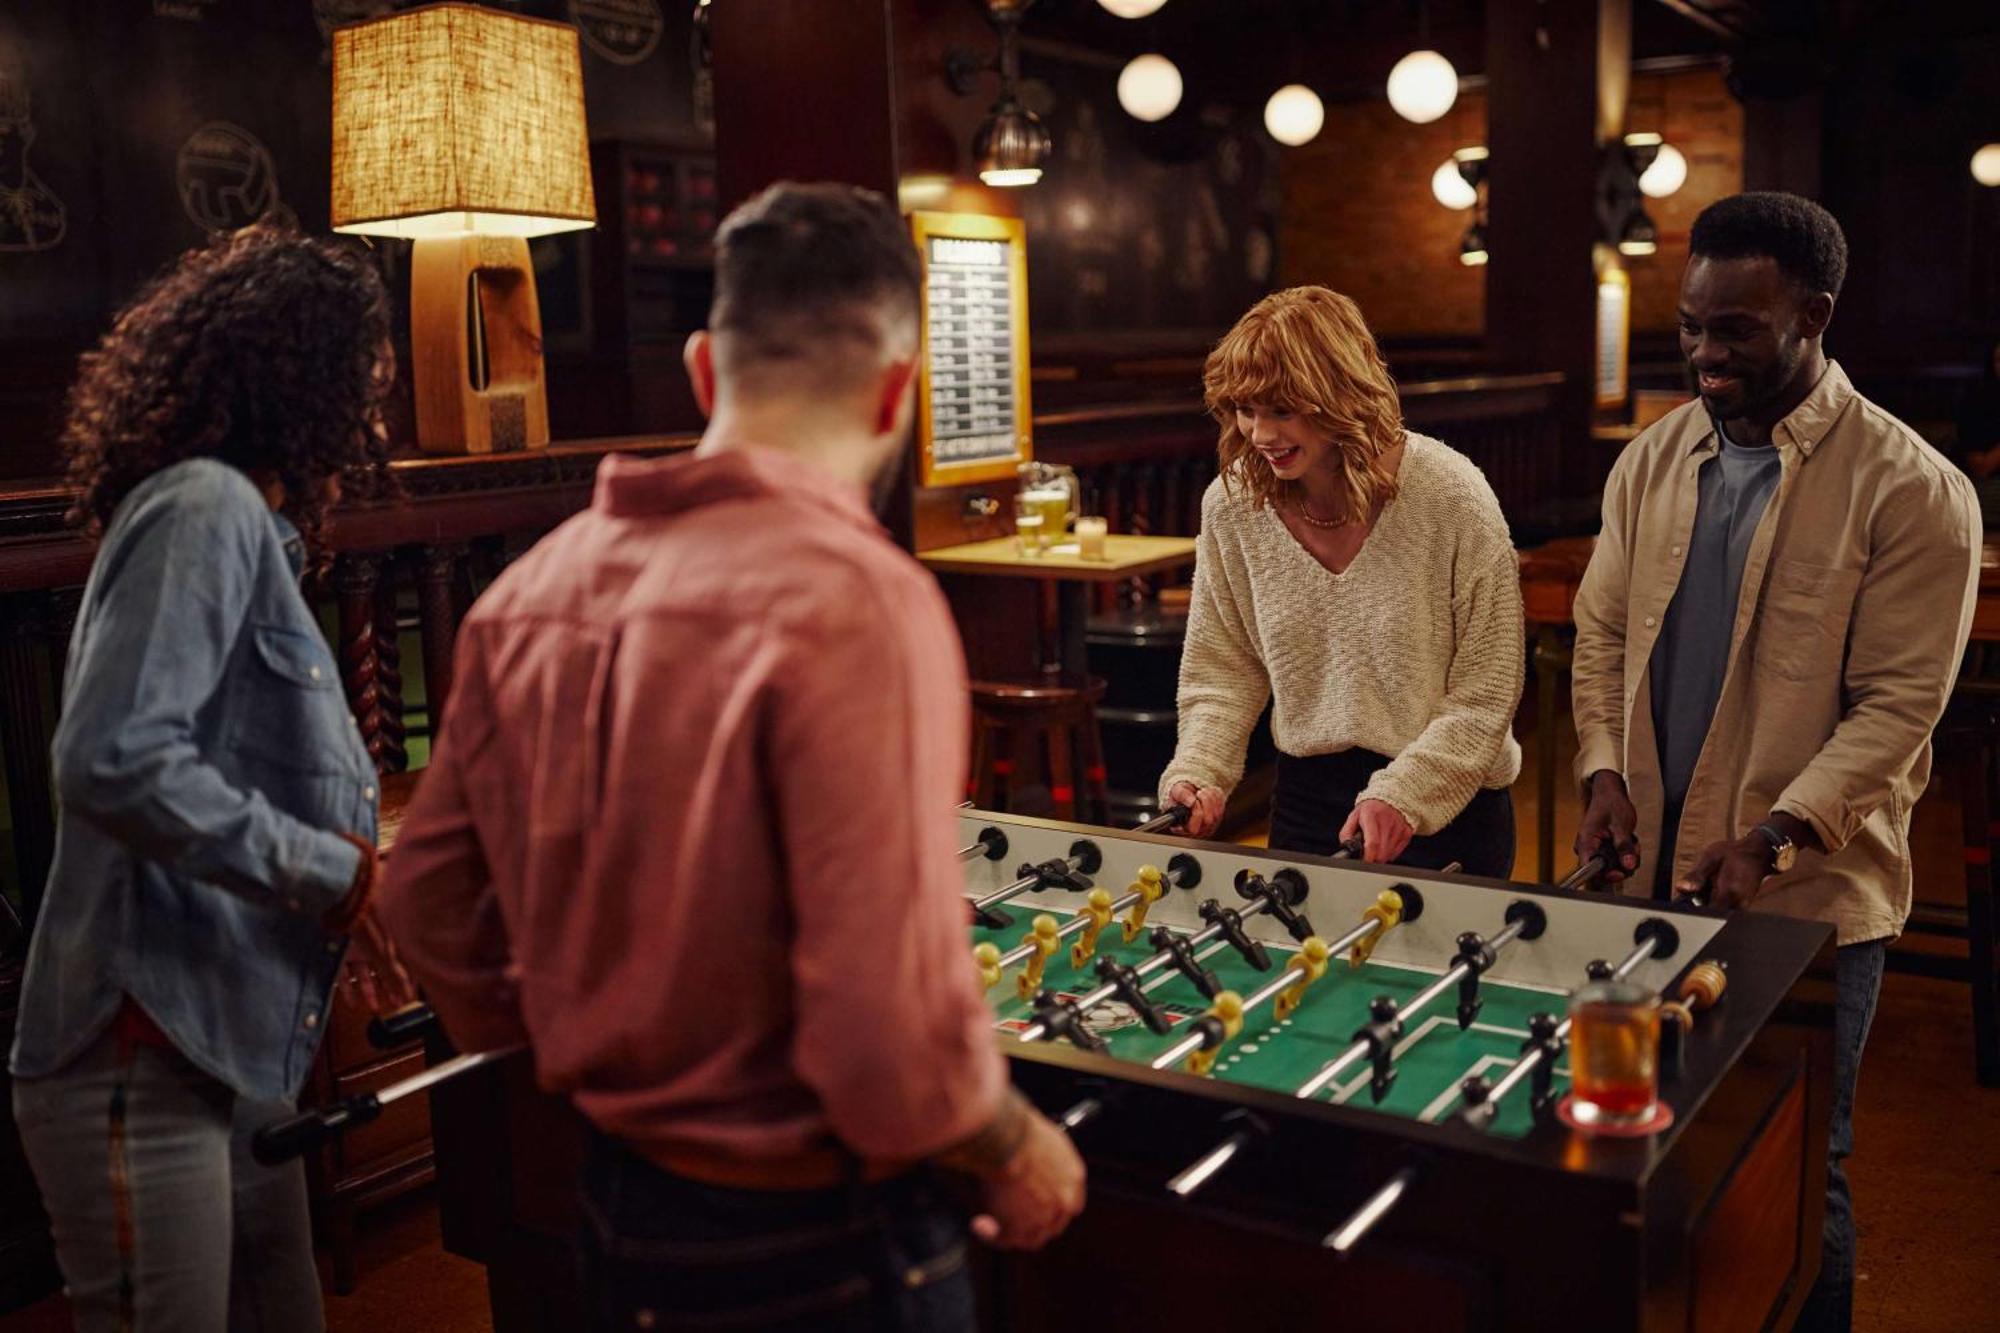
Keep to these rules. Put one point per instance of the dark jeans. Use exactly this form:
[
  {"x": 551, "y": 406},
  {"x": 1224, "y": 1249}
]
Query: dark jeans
[
  {"x": 661, "y": 1251},
  {"x": 1857, "y": 972},
  {"x": 1315, "y": 795}
]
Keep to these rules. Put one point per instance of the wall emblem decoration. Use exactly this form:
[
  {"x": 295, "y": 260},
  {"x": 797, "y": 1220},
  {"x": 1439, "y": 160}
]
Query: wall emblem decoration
[
  {"x": 226, "y": 177},
  {"x": 31, "y": 217},
  {"x": 622, "y": 31}
]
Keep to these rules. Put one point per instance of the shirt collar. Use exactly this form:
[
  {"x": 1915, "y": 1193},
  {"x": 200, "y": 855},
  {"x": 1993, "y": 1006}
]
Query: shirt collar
[
  {"x": 1805, "y": 425},
  {"x": 630, "y": 487},
  {"x": 293, "y": 544}
]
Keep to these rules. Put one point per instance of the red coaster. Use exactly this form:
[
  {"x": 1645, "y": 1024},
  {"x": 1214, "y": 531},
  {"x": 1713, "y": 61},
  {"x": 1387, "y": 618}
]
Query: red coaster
[{"x": 1662, "y": 1117}]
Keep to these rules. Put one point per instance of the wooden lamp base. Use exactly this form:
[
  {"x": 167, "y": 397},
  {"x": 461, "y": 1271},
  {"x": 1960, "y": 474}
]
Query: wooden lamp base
[{"x": 476, "y": 346}]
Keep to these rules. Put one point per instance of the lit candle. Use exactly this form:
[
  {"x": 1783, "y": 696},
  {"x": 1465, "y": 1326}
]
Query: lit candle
[{"x": 1090, "y": 538}]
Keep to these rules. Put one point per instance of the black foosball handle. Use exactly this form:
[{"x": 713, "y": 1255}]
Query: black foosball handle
[
  {"x": 411, "y": 1023},
  {"x": 278, "y": 1143}
]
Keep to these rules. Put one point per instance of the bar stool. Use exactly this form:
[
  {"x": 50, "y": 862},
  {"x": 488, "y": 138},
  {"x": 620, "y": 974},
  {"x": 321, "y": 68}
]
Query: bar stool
[
  {"x": 1966, "y": 741},
  {"x": 1013, "y": 719}
]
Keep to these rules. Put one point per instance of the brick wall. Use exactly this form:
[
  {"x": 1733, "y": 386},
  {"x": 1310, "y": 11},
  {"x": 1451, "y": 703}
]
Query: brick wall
[{"x": 1359, "y": 216}]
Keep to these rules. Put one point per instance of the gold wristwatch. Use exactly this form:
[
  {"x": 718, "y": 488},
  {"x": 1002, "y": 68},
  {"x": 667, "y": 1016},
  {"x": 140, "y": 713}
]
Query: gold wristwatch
[{"x": 1784, "y": 852}]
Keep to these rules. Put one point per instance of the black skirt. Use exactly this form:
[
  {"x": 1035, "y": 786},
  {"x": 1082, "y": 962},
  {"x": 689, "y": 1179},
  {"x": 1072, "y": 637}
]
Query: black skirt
[{"x": 1315, "y": 795}]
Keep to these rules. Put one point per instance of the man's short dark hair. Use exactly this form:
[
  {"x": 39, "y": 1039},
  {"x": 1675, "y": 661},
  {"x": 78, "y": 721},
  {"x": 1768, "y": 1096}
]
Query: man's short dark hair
[
  {"x": 802, "y": 269},
  {"x": 1797, "y": 233}
]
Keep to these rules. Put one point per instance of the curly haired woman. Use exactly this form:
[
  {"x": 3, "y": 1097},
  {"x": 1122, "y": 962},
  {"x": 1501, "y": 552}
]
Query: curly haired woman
[
  {"x": 216, "y": 840},
  {"x": 1359, "y": 576}
]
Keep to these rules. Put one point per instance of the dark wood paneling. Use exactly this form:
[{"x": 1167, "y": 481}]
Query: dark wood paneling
[{"x": 1747, "y": 1247}]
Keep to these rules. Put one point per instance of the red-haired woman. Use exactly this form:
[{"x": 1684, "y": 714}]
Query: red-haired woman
[{"x": 1360, "y": 577}]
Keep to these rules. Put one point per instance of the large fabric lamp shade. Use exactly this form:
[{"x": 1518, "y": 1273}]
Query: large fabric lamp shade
[
  {"x": 462, "y": 129},
  {"x": 452, "y": 119}
]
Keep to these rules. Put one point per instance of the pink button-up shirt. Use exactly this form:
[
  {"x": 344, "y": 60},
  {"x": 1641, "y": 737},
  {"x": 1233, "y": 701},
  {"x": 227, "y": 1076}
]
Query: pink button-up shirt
[{"x": 689, "y": 828}]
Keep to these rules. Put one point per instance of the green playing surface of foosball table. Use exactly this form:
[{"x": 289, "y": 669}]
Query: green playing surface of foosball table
[{"x": 1432, "y": 1056}]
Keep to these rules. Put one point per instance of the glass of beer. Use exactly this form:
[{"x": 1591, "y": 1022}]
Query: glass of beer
[
  {"x": 1029, "y": 518},
  {"x": 1614, "y": 1053},
  {"x": 1053, "y": 501}
]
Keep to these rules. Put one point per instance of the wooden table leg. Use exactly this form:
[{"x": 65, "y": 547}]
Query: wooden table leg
[
  {"x": 1551, "y": 659},
  {"x": 1072, "y": 623}
]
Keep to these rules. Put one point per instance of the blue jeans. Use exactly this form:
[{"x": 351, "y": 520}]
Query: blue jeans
[
  {"x": 1857, "y": 971},
  {"x": 162, "y": 1220},
  {"x": 661, "y": 1251}
]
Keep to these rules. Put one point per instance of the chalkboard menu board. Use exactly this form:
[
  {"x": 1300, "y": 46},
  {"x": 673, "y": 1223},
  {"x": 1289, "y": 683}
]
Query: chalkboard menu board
[{"x": 973, "y": 413}]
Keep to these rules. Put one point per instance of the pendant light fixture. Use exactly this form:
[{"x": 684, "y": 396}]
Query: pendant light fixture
[
  {"x": 1149, "y": 88},
  {"x": 1294, "y": 115}
]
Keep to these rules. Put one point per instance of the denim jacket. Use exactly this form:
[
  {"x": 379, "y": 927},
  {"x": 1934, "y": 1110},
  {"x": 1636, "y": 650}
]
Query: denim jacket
[{"x": 206, "y": 763}]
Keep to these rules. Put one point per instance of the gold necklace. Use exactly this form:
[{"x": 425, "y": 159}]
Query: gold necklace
[{"x": 1318, "y": 522}]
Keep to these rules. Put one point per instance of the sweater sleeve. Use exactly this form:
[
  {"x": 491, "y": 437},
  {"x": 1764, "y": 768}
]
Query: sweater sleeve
[
  {"x": 1223, "y": 686},
  {"x": 1435, "y": 776}
]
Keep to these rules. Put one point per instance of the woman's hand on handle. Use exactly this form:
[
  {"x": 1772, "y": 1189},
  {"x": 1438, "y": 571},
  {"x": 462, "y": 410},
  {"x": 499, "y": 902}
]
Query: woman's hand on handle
[
  {"x": 1204, "y": 808},
  {"x": 1385, "y": 833}
]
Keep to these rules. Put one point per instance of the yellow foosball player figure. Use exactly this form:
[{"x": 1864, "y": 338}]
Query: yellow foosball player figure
[
  {"x": 986, "y": 957},
  {"x": 1228, "y": 1011},
  {"x": 1149, "y": 886},
  {"x": 1097, "y": 915},
  {"x": 1387, "y": 909},
  {"x": 1310, "y": 963},
  {"x": 1042, "y": 938}
]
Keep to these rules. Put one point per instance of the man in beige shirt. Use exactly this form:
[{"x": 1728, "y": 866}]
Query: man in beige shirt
[{"x": 1768, "y": 632}]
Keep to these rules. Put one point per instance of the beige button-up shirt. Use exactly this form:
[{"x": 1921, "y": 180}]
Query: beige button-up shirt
[{"x": 1856, "y": 602}]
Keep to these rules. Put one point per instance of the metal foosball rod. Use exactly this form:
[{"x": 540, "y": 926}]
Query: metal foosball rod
[
  {"x": 1525, "y": 920},
  {"x": 1211, "y": 1031},
  {"x": 1261, "y": 903},
  {"x": 990, "y": 844},
  {"x": 283, "y": 1140},
  {"x": 1083, "y": 859},
  {"x": 1585, "y": 872}
]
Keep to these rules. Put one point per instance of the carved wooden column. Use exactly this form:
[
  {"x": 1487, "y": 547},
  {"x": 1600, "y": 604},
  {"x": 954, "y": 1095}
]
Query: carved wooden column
[
  {"x": 438, "y": 614},
  {"x": 389, "y": 671},
  {"x": 357, "y": 581}
]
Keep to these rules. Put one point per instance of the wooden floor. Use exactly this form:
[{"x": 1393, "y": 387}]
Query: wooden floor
[{"x": 1926, "y": 1169}]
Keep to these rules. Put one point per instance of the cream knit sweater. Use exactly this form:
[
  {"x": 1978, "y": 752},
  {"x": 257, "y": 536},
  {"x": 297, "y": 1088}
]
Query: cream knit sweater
[{"x": 1415, "y": 651}]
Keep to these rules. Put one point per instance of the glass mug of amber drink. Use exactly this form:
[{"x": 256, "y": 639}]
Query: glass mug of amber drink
[
  {"x": 1614, "y": 1053},
  {"x": 1030, "y": 532}
]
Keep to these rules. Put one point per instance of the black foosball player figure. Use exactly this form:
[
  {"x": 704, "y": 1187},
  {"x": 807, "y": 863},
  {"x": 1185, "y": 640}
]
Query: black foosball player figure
[
  {"x": 1415, "y": 763},
  {"x": 688, "y": 833},
  {"x": 1784, "y": 783}
]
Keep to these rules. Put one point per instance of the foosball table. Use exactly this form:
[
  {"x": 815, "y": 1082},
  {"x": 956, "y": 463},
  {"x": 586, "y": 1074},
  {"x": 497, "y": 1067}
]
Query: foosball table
[{"x": 1317, "y": 1091}]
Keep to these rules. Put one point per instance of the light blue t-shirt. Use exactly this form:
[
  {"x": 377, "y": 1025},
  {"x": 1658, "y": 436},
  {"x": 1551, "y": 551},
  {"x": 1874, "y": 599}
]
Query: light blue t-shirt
[{"x": 1692, "y": 652}]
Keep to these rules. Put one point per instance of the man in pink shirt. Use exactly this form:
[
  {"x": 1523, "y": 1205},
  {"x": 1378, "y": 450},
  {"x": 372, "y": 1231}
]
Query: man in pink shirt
[{"x": 689, "y": 834}]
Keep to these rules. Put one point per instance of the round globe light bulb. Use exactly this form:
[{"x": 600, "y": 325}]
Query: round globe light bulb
[
  {"x": 1668, "y": 173},
  {"x": 1986, "y": 165},
  {"x": 1449, "y": 188},
  {"x": 1149, "y": 88},
  {"x": 1422, "y": 86},
  {"x": 1132, "y": 9},
  {"x": 1294, "y": 114}
]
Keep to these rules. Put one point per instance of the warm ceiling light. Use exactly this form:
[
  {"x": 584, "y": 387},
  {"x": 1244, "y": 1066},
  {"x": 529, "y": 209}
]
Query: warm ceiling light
[
  {"x": 1472, "y": 248},
  {"x": 1422, "y": 86},
  {"x": 1132, "y": 9},
  {"x": 1149, "y": 88},
  {"x": 1667, "y": 174},
  {"x": 1294, "y": 114},
  {"x": 1450, "y": 188},
  {"x": 1986, "y": 165},
  {"x": 1010, "y": 145}
]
